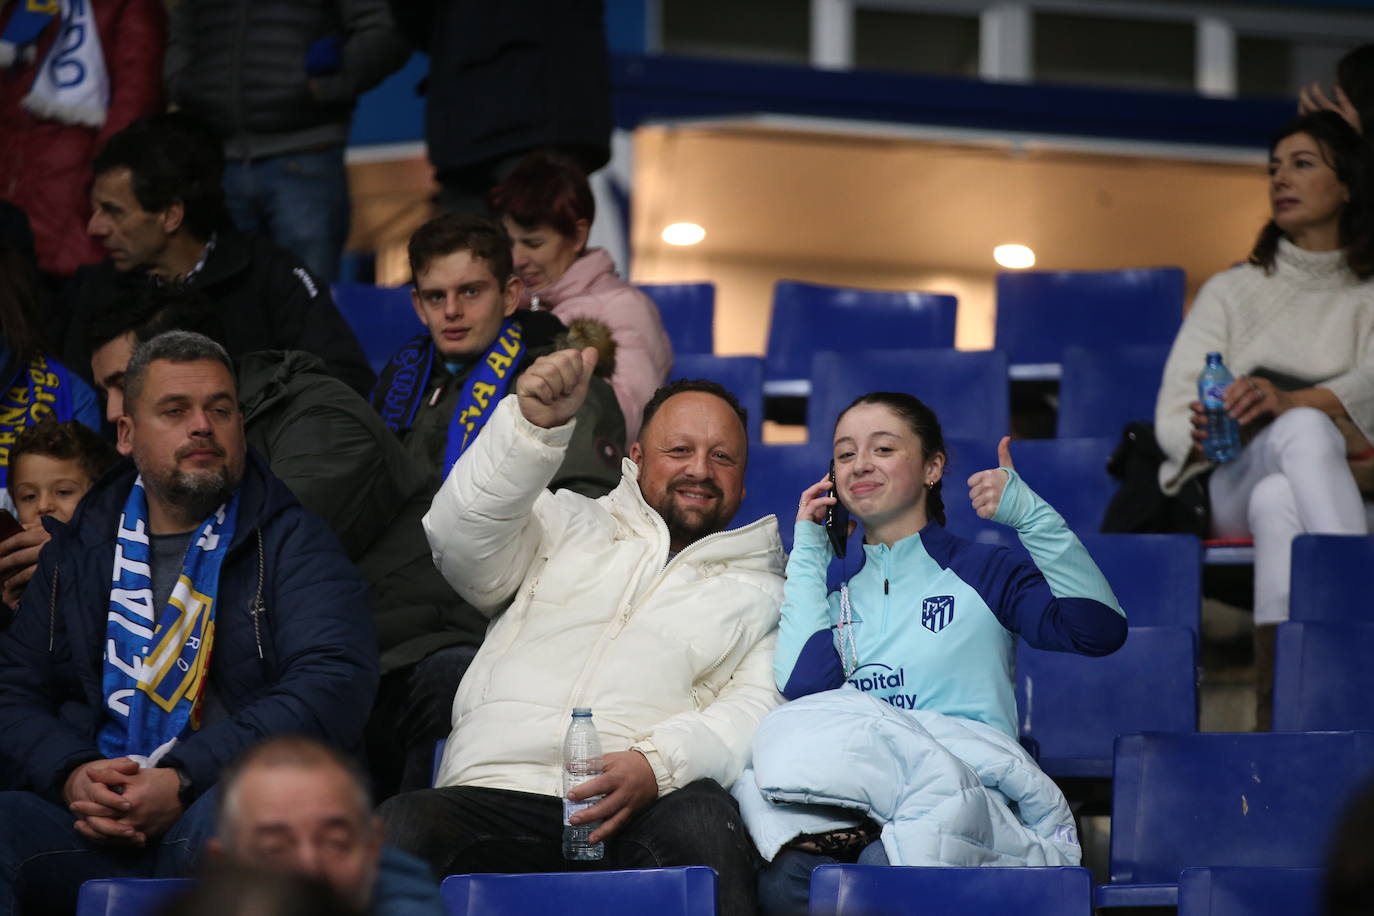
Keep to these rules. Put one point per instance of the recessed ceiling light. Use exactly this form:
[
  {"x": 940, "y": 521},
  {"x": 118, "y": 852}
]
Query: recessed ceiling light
[
  {"x": 1014, "y": 257},
  {"x": 683, "y": 234}
]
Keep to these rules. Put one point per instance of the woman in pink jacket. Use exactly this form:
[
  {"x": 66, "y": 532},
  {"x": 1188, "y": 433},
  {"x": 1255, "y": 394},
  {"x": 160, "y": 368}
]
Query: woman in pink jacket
[{"x": 547, "y": 207}]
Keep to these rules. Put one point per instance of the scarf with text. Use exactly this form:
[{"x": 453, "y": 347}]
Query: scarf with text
[
  {"x": 72, "y": 85},
  {"x": 38, "y": 391},
  {"x": 401, "y": 387},
  {"x": 157, "y": 659}
]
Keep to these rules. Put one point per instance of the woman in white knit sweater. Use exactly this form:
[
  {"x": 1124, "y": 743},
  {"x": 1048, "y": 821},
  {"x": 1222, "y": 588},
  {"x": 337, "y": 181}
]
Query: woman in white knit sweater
[{"x": 1296, "y": 326}]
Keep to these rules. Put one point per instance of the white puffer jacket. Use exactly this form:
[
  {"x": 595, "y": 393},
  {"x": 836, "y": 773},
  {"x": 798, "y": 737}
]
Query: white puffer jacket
[{"x": 675, "y": 659}]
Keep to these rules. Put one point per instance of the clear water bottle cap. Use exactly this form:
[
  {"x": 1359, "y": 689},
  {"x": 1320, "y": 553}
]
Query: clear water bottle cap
[{"x": 582, "y": 711}]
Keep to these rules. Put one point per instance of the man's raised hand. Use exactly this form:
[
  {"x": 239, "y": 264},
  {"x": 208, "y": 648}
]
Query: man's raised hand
[{"x": 552, "y": 390}]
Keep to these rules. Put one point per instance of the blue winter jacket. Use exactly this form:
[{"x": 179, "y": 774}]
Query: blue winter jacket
[{"x": 306, "y": 664}]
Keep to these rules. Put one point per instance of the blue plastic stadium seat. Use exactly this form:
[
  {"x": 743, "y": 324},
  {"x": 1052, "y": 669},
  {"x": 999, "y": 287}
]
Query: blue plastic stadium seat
[
  {"x": 741, "y": 375},
  {"x": 688, "y": 311},
  {"x": 381, "y": 317},
  {"x": 1156, "y": 577},
  {"x": 808, "y": 318},
  {"x": 1104, "y": 388},
  {"x": 1263, "y": 799},
  {"x": 127, "y": 896},
  {"x": 1039, "y": 313},
  {"x": 878, "y": 890},
  {"x": 659, "y": 891},
  {"x": 1331, "y": 577},
  {"x": 1323, "y": 678},
  {"x": 775, "y": 478},
  {"x": 967, "y": 457},
  {"x": 1075, "y": 706},
  {"x": 1250, "y": 892},
  {"x": 1069, "y": 474},
  {"x": 967, "y": 390}
]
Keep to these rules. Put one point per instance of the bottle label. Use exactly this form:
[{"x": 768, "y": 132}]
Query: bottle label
[
  {"x": 1213, "y": 394},
  {"x": 571, "y": 807}
]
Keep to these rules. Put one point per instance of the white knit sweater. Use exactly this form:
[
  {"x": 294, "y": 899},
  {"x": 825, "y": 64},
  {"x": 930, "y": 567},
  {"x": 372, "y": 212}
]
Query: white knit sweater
[{"x": 1311, "y": 318}]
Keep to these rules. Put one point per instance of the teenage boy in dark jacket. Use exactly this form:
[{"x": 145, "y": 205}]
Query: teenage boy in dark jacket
[{"x": 112, "y": 704}]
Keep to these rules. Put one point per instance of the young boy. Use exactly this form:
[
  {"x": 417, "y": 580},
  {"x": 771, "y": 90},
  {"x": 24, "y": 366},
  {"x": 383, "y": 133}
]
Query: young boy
[{"x": 51, "y": 467}]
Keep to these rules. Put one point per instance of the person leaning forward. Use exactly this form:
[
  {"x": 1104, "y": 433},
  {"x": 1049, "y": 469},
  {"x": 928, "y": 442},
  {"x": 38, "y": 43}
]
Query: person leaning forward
[
  {"x": 637, "y": 604},
  {"x": 112, "y": 704}
]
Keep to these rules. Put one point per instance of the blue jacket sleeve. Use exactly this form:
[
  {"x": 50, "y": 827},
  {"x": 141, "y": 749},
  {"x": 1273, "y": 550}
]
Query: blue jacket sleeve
[
  {"x": 1063, "y": 601},
  {"x": 805, "y": 660},
  {"x": 327, "y": 666}
]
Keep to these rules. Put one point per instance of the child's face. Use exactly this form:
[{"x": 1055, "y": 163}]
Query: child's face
[{"x": 41, "y": 485}]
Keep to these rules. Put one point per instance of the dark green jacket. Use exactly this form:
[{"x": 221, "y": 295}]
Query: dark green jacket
[
  {"x": 326, "y": 444},
  {"x": 416, "y": 611}
]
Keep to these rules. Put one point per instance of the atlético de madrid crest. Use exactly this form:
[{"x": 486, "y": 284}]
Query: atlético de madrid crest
[{"x": 937, "y": 613}]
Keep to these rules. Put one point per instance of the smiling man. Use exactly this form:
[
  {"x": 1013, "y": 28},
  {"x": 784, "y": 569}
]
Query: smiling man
[
  {"x": 437, "y": 394},
  {"x": 638, "y": 605},
  {"x": 113, "y": 705}
]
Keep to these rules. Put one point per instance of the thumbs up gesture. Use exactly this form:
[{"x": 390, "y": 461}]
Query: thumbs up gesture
[
  {"x": 552, "y": 390},
  {"x": 985, "y": 488}
]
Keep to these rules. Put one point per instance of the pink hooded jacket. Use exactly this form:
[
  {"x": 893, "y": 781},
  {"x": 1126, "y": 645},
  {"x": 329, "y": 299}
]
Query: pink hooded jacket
[{"x": 643, "y": 355}]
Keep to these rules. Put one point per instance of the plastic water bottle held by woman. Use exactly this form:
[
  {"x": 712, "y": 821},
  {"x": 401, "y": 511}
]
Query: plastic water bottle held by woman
[
  {"x": 581, "y": 762},
  {"x": 1223, "y": 433}
]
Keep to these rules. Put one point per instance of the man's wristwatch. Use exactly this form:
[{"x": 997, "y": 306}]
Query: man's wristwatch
[{"x": 183, "y": 787}]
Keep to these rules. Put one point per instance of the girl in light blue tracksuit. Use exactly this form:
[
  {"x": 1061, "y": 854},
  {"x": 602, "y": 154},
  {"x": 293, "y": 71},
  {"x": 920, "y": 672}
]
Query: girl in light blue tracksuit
[{"x": 930, "y": 619}]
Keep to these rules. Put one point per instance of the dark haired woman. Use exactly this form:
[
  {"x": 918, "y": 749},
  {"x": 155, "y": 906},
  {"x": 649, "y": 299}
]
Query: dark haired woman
[
  {"x": 1296, "y": 327},
  {"x": 547, "y": 207},
  {"x": 937, "y": 614}
]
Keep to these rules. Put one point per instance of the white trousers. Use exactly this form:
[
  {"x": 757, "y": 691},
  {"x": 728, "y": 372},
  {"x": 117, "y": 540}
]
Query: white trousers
[{"x": 1291, "y": 479}]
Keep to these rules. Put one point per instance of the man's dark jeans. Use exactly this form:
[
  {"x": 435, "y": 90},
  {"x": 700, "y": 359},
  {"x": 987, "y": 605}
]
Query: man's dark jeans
[{"x": 464, "y": 829}]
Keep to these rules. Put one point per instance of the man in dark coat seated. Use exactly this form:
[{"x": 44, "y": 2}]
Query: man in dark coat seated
[{"x": 112, "y": 703}]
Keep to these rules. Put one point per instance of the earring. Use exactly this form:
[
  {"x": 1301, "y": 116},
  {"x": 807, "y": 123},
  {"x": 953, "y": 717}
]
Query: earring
[{"x": 929, "y": 484}]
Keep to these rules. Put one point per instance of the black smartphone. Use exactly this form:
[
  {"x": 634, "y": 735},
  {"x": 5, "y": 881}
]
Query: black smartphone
[
  {"x": 836, "y": 518},
  {"x": 9, "y": 525}
]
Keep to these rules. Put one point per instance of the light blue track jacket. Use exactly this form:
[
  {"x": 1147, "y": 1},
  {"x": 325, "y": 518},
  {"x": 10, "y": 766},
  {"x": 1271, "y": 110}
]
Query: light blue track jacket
[{"x": 935, "y": 616}]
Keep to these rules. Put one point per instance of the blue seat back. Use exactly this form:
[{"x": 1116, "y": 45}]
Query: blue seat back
[
  {"x": 1069, "y": 474},
  {"x": 381, "y": 317},
  {"x": 1039, "y": 312},
  {"x": 808, "y": 317},
  {"x": 775, "y": 478},
  {"x": 1323, "y": 678},
  {"x": 1104, "y": 388},
  {"x": 1262, "y": 799},
  {"x": 741, "y": 375},
  {"x": 127, "y": 896},
  {"x": 967, "y": 457},
  {"x": 661, "y": 891},
  {"x": 688, "y": 311},
  {"x": 1330, "y": 579},
  {"x": 1075, "y": 706},
  {"x": 877, "y": 890},
  {"x": 1250, "y": 892},
  {"x": 967, "y": 390},
  {"x": 1156, "y": 577}
]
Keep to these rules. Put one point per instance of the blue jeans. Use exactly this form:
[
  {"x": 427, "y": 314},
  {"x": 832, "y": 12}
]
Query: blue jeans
[
  {"x": 298, "y": 200},
  {"x": 785, "y": 883},
  {"x": 43, "y": 860}
]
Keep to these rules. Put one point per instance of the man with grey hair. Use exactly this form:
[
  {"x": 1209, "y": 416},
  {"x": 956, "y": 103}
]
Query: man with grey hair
[
  {"x": 293, "y": 804},
  {"x": 112, "y": 704}
]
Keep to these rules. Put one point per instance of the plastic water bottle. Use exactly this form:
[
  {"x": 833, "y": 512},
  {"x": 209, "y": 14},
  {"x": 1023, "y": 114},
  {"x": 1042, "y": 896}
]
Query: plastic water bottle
[
  {"x": 1223, "y": 432},
  {"x": 581, "y": 762}
]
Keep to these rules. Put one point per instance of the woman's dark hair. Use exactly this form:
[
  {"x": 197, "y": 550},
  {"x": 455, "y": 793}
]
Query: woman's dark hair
[
  {"x": 924, "y": 424},
  {"x": 1355, "y": 76},
  {"x": 545, "y": 188},
  {"x": 20, "y": 305},
  {"x": 1344, "y": 151}
]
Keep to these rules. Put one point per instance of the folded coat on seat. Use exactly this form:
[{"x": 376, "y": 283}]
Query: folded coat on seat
[{"x": 946, "y": 791}]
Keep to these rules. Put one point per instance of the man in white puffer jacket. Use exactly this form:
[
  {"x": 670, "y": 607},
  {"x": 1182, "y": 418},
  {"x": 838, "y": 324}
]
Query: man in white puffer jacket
[{"x": 638, "y": 604}]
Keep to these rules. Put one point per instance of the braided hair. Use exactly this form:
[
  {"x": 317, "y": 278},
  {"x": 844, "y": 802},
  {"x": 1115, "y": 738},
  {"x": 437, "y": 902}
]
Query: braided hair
[{"x": 925, "y": 425}]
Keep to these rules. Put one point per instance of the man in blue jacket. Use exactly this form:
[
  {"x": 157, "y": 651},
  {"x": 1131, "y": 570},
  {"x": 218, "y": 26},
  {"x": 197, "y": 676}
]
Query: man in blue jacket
[{"x": 112, "y": 704}]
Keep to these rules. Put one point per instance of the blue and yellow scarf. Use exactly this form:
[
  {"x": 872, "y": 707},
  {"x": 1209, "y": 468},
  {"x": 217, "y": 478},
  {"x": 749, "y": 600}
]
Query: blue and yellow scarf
[
  {"x": 401, "y": 387},
  {"x": 157, "y": 661},
  {"x": 39, "y": 390}
]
